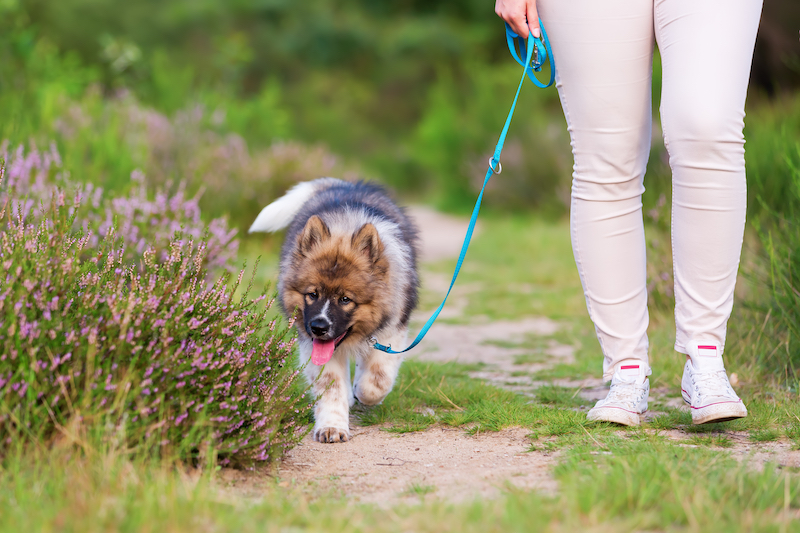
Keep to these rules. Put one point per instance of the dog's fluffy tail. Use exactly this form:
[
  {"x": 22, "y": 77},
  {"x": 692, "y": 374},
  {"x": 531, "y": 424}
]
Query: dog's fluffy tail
[{"x": 280, "y": 213}]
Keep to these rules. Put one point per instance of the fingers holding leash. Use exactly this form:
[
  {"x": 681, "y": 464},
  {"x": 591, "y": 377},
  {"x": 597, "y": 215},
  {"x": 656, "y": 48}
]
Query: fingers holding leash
[{"x": 521, "y": 15}]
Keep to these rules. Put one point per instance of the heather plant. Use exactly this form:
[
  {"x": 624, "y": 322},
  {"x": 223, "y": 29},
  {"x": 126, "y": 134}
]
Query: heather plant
[
  {"x": 141, "y": 220},
  {"x": 151, "y": 356}
]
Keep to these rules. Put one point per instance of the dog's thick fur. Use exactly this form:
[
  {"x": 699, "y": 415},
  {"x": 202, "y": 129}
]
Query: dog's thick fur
[{"x": 349, "y": 267}]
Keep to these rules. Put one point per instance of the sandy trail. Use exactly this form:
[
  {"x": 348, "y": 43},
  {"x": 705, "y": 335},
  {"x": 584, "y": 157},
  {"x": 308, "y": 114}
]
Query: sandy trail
[{"x": 385, "y": 468}]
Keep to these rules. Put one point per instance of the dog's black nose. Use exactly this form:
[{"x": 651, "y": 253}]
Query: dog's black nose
[{"x": 319, "y": 326}]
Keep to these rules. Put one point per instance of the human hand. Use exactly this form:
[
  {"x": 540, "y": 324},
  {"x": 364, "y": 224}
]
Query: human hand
[{"x": 521, "y": 15}]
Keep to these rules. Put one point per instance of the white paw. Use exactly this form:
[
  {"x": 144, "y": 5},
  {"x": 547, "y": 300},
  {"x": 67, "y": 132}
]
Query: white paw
[
  {"x": 331, "y": 434},
  {"x": 375, "y": 379},
  {"x": 368, "y": 393}
]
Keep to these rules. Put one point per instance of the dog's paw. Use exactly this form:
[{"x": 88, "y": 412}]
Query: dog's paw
[
  {"x": 370, "y": 398},
  {"x": 331, "y": 434},
  {"x": 371, "y": 390}
]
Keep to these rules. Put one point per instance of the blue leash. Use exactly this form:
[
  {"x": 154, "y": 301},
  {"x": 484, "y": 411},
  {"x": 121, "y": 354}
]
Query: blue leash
[{"x": 537, "y": 52}]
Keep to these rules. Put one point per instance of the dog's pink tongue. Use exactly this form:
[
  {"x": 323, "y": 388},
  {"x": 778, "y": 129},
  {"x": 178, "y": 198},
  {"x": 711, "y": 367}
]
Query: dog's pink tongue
[{"x": 322, "y": 351}]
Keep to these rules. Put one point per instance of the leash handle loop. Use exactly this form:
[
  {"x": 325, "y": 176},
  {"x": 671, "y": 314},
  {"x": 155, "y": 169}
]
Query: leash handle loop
[{"x": 534, "y": 59}]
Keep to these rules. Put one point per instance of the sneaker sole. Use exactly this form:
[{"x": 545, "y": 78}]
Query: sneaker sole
[
  {"x": 721, "y": 412},
  {"x": 614, "y": 415}
]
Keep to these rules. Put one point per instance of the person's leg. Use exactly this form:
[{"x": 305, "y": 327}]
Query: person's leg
[
  {"x": 706, "y": 49},
  {"x": 603, "y": 56}
]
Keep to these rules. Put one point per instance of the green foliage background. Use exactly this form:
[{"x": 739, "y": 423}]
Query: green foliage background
[
  {"x": 410, "y": 92},
  {"x": 414, "y": 92}
]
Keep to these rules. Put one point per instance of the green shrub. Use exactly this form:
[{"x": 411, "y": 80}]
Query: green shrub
[
  {"x": 151, "y": 355},
  {"x": 105, "y": 140},
  {"x": 772, "y": 131},
  {"x": 780, "y": 235},
  {"x": 459, "y": 128},
  {"x": 766, "y": 323}
]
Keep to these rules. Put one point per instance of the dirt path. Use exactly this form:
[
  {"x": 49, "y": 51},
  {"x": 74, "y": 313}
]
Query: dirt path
[
  {"x": 478, "y": 341},
  {"x": 385, "y": 468}
]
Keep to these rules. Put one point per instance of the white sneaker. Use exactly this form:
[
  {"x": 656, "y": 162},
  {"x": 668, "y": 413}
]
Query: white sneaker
[
  {"x": 705, "y": 386},
  {"x": 627, "y": 398}
]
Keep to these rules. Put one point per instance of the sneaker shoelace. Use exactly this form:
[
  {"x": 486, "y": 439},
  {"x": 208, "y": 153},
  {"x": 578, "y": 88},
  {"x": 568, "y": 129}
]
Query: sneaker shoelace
[
  {"x": 624, "y": 393},
  {"x": 712, "y": 384}
]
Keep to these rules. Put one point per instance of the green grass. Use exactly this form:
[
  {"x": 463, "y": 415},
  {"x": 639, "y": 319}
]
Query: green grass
[
  {"x": 714, "y": 441},
  {"x": 671, "y": 419},
  {"x": 523, "y": 266},
  {"x": 418, "y": 489},
  {"x": 427, "y": 394},
  {"x": 561, "y": 396},
  {"x": 460, "y": 401},
  {"x": 650, "y": 484},
  {"x": 530, "y": 359},
  {"x": 793, "y": 432},
  {"x": 456, "y": 399},
  {"x": 609, "y": 478},
  {"x": 766, "y": 418},
  {"x": 641, "y": 483},
  {"x": 765, "y": 435},
  {"x": 519, "y": 267}
]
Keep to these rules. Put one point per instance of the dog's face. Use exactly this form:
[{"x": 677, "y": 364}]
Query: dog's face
[{"x": 336, "y": 283}]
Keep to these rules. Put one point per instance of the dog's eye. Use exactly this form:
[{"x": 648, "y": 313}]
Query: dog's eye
[
  {"x": 313, "y": 295},
  {"x": 344, "y": 300}
]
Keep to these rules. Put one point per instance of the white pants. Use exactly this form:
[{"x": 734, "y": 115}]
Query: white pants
[{"x": 603, "y": 51}]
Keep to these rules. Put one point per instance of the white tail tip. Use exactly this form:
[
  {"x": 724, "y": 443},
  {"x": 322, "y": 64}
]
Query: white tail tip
[{"x": 282, "y": 211}]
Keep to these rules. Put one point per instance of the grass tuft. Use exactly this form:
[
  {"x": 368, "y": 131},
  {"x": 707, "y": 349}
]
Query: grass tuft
[
  {"x": 671, "y": 419},
  {"x": 560, "y": 396},
  {"x": 714, "y": 441},
  {"x": 765, "y": 435},
  {"x": 418, "y": 489}
]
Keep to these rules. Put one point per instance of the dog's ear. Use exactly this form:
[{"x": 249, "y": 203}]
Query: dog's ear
[
  {"x": 313, "y": 234},
  {"x": 367, "y": 241}
]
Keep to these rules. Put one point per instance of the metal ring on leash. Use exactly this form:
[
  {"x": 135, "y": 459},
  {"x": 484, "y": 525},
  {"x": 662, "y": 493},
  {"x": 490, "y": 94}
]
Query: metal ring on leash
[{"x": 499, "y": 168}]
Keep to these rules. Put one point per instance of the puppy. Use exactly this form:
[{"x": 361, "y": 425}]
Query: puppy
[{"x": 349, "y": 269}]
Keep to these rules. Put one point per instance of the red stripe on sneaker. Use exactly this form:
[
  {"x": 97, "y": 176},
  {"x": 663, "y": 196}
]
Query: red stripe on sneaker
[
  {"x": 706, "y": 347},
  {"x": 628, "y": 367}
]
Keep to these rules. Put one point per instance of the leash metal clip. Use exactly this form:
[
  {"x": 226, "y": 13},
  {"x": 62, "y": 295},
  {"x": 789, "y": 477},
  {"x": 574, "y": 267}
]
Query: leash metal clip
[
  {"x": 373, "y": 341},
  {"x": 538, "y": 59}
]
